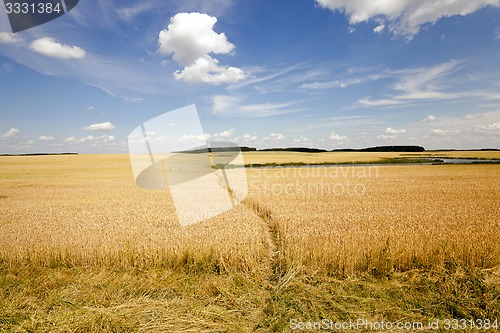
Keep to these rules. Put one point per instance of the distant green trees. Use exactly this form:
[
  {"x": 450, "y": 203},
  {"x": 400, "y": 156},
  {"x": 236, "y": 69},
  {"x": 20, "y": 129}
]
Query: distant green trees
[{"x": 411, "y": 149}]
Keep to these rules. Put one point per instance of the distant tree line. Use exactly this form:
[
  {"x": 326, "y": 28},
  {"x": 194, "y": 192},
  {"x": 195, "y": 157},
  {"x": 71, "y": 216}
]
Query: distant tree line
[
  {"x": 370, "y": 149},
  {"x": 297, "y": 149},
  {"x": 406, "y": 149},
  {"x": 38, "y": 154},
  {"x": 216, "y": 149},
  {"x": 305, "y": 149}
]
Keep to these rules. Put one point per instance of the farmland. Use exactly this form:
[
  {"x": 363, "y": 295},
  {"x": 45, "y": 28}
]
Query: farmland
[
  {"x": 84, "y": 249},
  {"x": 346, "y": 157}
]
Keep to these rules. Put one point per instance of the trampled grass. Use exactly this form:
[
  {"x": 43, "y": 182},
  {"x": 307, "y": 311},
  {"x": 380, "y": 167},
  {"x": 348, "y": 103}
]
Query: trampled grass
[{"x": 82, "y": 248}]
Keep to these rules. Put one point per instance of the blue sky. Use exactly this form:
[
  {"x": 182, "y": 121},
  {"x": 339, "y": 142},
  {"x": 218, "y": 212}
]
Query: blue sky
[{"x": 316, "y": 73}]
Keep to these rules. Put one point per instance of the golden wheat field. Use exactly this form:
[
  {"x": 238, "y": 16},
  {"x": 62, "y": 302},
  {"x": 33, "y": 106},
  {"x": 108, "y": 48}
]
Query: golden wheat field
[
  {"x": 379, "y": 218},
  {"x": 88, "y": 210},
  {"x": 341, "y": 223}
]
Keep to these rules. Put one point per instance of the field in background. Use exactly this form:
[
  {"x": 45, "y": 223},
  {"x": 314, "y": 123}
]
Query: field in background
[
  {"x": 343, "y": 157},
  {"x": 83, "y": 248}
]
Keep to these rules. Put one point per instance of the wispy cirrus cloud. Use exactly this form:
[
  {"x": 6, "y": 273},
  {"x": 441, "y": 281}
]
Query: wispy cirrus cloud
[
  {"x": 440, "y": 131},
  {"x": 434, "y": 83},
  {"x": 111, "y": 67},
  {"x": 425, "y": 80},
  {"x": 366, "y": 101},
  {"x": 276, "y": 79},
  {"x": 340, "y": 83},
  {"x": 117, "y": 77},
  {"x": 129, "y": 13},
  {"x": 235, "y": 106}
]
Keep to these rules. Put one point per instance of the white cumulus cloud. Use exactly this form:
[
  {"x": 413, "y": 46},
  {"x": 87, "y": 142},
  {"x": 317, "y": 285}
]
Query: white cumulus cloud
[
  {"x": 390, "y": 133},
  {"x": 493, "y": 128},
  {"x": 223, "y": 135},
  {"x": 405, "y": 16},
  {"x": 10, "y": 133},
  {"x": 338, "y": 138},
  {"x": 106, "y": 126},
  {"x": 107, "y": 138},
  {"x": 303, "y": 141},
  {"x": 70, "y": 140},
  {"x": 46, "y": 138},
  {"x": 378, "y": 29},
  {"x": 207, "y": 70},
  {"x": 276, "y": 137},
  {"x": 190, "y": 38},
  {"x": 90, "y": 139},
  {"x": 390, "y": 130},
  {"x": 429, "y": 118},
  {"x": 9, "y": 38},
  {"x": 386, "y": 137},
  {"x": 51, "y": 48}
]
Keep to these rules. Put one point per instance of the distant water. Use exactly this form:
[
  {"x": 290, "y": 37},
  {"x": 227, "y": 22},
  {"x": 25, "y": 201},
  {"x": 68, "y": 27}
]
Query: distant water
[{"x": 464, "y": 160}]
